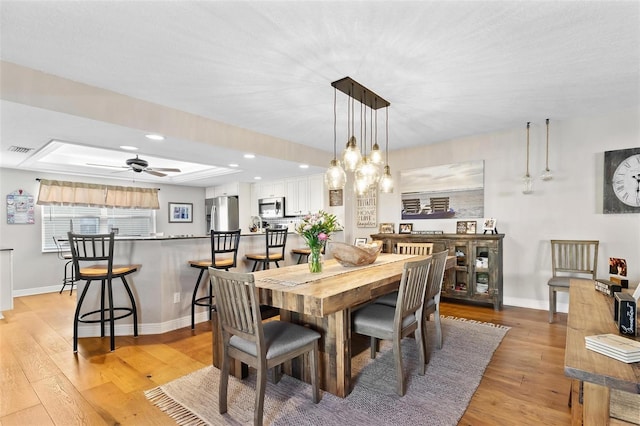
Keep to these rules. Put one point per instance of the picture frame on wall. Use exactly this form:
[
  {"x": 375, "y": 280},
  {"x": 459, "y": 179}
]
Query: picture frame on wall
[
  {"x": 405, "y": 228},
  {"x": 386, "y": 228},
  {"x": 180, "y": 212}
]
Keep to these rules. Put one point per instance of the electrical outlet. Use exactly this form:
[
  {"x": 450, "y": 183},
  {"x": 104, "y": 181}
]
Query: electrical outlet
[{"x": 176, "y": 297}]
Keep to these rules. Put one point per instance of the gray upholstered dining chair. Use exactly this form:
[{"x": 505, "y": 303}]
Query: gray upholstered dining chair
[
  {"x": 432, "y": 296},
  {"x": 246, "y": 339},
  {"x": 570, "y": 259},
  {"x": 394, "y": 323}
]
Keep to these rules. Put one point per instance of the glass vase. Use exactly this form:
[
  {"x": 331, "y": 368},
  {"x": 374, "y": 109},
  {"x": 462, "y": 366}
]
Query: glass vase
[{"x": 315, "y": 260}]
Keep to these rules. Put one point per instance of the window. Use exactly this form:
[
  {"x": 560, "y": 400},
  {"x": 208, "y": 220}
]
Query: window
[{"x": 58, "y": 220}]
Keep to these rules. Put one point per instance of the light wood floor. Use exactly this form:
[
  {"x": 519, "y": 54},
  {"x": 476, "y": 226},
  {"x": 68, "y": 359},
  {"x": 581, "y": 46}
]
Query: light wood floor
[{"x": 43, "y": 383}]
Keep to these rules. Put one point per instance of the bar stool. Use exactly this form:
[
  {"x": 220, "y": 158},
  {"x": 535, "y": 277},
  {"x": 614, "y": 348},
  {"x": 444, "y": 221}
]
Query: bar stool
[
  {"x": 222, "y": 243},
  {"x": 92, "y": 261},
  {"x": 275, "y": 239},
  {"x": 303, "y": 253},
  {"x": 69, "y": 278}
]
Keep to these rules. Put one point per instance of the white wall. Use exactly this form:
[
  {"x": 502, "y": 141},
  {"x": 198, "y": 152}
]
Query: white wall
[
  {"x": 567, "y": 207},
  {"x": 36, "y": 272}
]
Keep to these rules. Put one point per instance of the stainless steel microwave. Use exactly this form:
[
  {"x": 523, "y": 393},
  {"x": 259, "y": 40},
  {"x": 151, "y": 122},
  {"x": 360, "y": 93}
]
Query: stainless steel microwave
[{"x": 269, "y": 208}]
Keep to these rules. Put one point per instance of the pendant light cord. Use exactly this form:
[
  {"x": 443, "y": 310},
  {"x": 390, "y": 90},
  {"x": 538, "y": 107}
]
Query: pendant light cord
[
  {"x": 528, "y": 123},
  {"x": 335, "y": 118},
  {"x": 547, "y": 169}
]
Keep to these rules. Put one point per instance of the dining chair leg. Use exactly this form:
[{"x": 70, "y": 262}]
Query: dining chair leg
[
  {"x": 552, "y": 303},
  {"x": 373, "y": 347},
  {"x": 102, "y": 296},
  {"x": 313, "y": 363},
  {"x": 397, "y": 355},
  {"x": 436, "y": 315},
  {"x": 224, "y": 381},
  {"x": 421, "y": 343},
  {"x": 261, "y": 385}
]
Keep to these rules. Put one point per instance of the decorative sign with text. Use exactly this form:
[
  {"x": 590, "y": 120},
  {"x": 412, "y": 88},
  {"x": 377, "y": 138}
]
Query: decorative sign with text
[
  {"x": 20, "y": 208},
  {"x": 366, "y": 209}
]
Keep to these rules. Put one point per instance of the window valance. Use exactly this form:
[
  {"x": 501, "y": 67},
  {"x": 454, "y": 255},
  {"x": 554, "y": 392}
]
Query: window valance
[{"x": 98, "y": 195}]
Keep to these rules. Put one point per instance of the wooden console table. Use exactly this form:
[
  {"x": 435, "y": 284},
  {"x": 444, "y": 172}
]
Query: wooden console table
[{"x": 603, "y": 388}]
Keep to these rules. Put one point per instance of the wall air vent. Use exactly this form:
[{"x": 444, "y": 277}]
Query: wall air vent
[{"x": 19, "y": 149}]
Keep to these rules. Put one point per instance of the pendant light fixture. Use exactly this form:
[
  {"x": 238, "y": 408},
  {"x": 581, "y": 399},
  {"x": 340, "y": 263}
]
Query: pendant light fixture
[
  {"x": 351, "y": 156},
  {"x": 526, "y": 180},
  {"x": 386, "y": 181},
  {"x": 366, "y": 167},
  {"x": 335, "y": 176},
  {"x": 376, "y": 155},
  {"x": 547, "y": 175}
]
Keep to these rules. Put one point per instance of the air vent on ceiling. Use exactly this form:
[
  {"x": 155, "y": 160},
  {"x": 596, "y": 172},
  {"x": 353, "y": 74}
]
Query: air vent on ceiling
[{"x": 19, "y": 149}]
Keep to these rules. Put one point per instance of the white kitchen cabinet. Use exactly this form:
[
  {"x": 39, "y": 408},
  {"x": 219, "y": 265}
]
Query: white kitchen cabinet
[
  {"x": 316, "y": 193},
  {"x": 270, "y": 189},
  {"x": 226, "y": 189},
  {"x": 297, "y": 196}
]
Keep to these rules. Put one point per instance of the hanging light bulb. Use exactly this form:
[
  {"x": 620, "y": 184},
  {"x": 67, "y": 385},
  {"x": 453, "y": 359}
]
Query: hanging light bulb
[
  {"x": 351, "y": 156},
  {"x": 386, "y": 181},
  {"x": 526, "y": 180},
  {"x": 547, "y": 175},
  {"x": 376, "y": 155},
  {"x": 367, "y": 173},
  {"x": 335, "y": 176}
]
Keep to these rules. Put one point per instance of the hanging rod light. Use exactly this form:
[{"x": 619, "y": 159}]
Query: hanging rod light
[
  {"x": 386, "y": 181},
  {"x": 526, "y": 180},
  {"x": 335, "y": 177},
  {"x": 376, "y": 155},
  {"x": 351, "y": 155},
  {"x": 547, "y": 175},
  {"x": 367, "y": 170}
]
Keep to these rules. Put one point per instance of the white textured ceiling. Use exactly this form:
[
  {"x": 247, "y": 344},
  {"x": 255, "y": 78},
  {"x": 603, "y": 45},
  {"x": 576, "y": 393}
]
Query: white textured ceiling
[{"x": 449, "y": 69}]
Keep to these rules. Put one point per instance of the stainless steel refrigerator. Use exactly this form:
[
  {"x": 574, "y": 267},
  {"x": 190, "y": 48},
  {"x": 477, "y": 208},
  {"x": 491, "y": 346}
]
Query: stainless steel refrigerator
[{"x": 222, "y": 214}]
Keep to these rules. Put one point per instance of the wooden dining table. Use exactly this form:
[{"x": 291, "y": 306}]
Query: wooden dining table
[{"x": 324, "y": 302}]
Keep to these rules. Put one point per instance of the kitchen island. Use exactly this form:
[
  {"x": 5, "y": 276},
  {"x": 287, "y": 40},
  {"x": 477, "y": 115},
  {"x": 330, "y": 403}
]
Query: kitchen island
[{"x": 163, "y": 285}]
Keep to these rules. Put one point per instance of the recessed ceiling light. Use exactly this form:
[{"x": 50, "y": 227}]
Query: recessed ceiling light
[
  {"x": 129, "y": 148},
  {"x": 304, "y": 166},
  {"x": 233, "y": 165},
  {"x": 249, "y": 156},
  {"x": 257, "y": 178},
  {"x": 154, "y": 137}
]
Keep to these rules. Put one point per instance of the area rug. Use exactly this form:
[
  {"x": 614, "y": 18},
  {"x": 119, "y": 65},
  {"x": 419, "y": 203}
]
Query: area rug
[{"x": 440, "y": 397}]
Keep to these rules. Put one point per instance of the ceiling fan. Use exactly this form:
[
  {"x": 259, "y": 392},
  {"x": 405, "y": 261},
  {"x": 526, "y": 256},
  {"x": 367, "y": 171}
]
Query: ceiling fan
[{"x": 138, "y": 165}]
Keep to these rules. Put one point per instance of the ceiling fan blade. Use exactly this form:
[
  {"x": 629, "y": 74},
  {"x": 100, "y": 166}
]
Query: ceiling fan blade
[
  {"x": 107, "y": 165},
  {"x": 164, "y": 169},
  {"x": 153, "y": 172}
]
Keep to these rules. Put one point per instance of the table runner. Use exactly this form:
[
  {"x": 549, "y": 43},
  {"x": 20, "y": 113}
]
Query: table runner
[{"x": 299, "y": 274}]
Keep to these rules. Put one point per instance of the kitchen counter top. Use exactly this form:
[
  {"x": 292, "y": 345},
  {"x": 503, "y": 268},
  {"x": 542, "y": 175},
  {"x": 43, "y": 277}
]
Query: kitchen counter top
[{"x": 177, "y": 237}]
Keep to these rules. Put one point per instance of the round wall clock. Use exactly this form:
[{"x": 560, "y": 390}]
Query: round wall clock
[{"x": 622, "y": 181}]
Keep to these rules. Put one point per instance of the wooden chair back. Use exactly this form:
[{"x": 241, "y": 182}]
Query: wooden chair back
[
  {"x": 436, "y": 275},
  {"x": 225, "y": 243},
  {"x": 421, "y": 249},
  {"x": 411, "y": 294},
  {"x": 238, "y": 307},
  {"x": 571, "y": 257}
]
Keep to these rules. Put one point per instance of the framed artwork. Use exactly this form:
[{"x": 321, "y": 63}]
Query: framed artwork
[
  {"x": 466, "y": 227},
  {"x": 405, "y": 228},
  {"x": 443, "y": 192},
  {"x": 360, "y": 241},
  {"x": 180, "y": 212},
  {"x": 621, "y": 191},
  {"x": 335, "y": 197},
  {"x": 386, "y": 228},
  {"x": 489, "y": 225}
]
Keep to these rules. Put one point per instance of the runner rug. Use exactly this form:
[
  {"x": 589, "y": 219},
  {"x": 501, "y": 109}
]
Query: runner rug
[{"x": 440, "y": 397}]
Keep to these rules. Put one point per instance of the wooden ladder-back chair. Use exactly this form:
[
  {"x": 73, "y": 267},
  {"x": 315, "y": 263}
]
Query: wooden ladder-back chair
[
  {"x": 394, "y": 323},
  {"x": 260, "y": 345},
  {"x": 421, "y": 249},
  {"x": 432, "y": 296},
  {"x": 570, "y": 259}
]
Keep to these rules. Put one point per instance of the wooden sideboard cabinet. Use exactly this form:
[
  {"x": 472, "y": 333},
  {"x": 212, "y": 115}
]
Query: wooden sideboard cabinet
[{"x": 477, "y": 276}]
